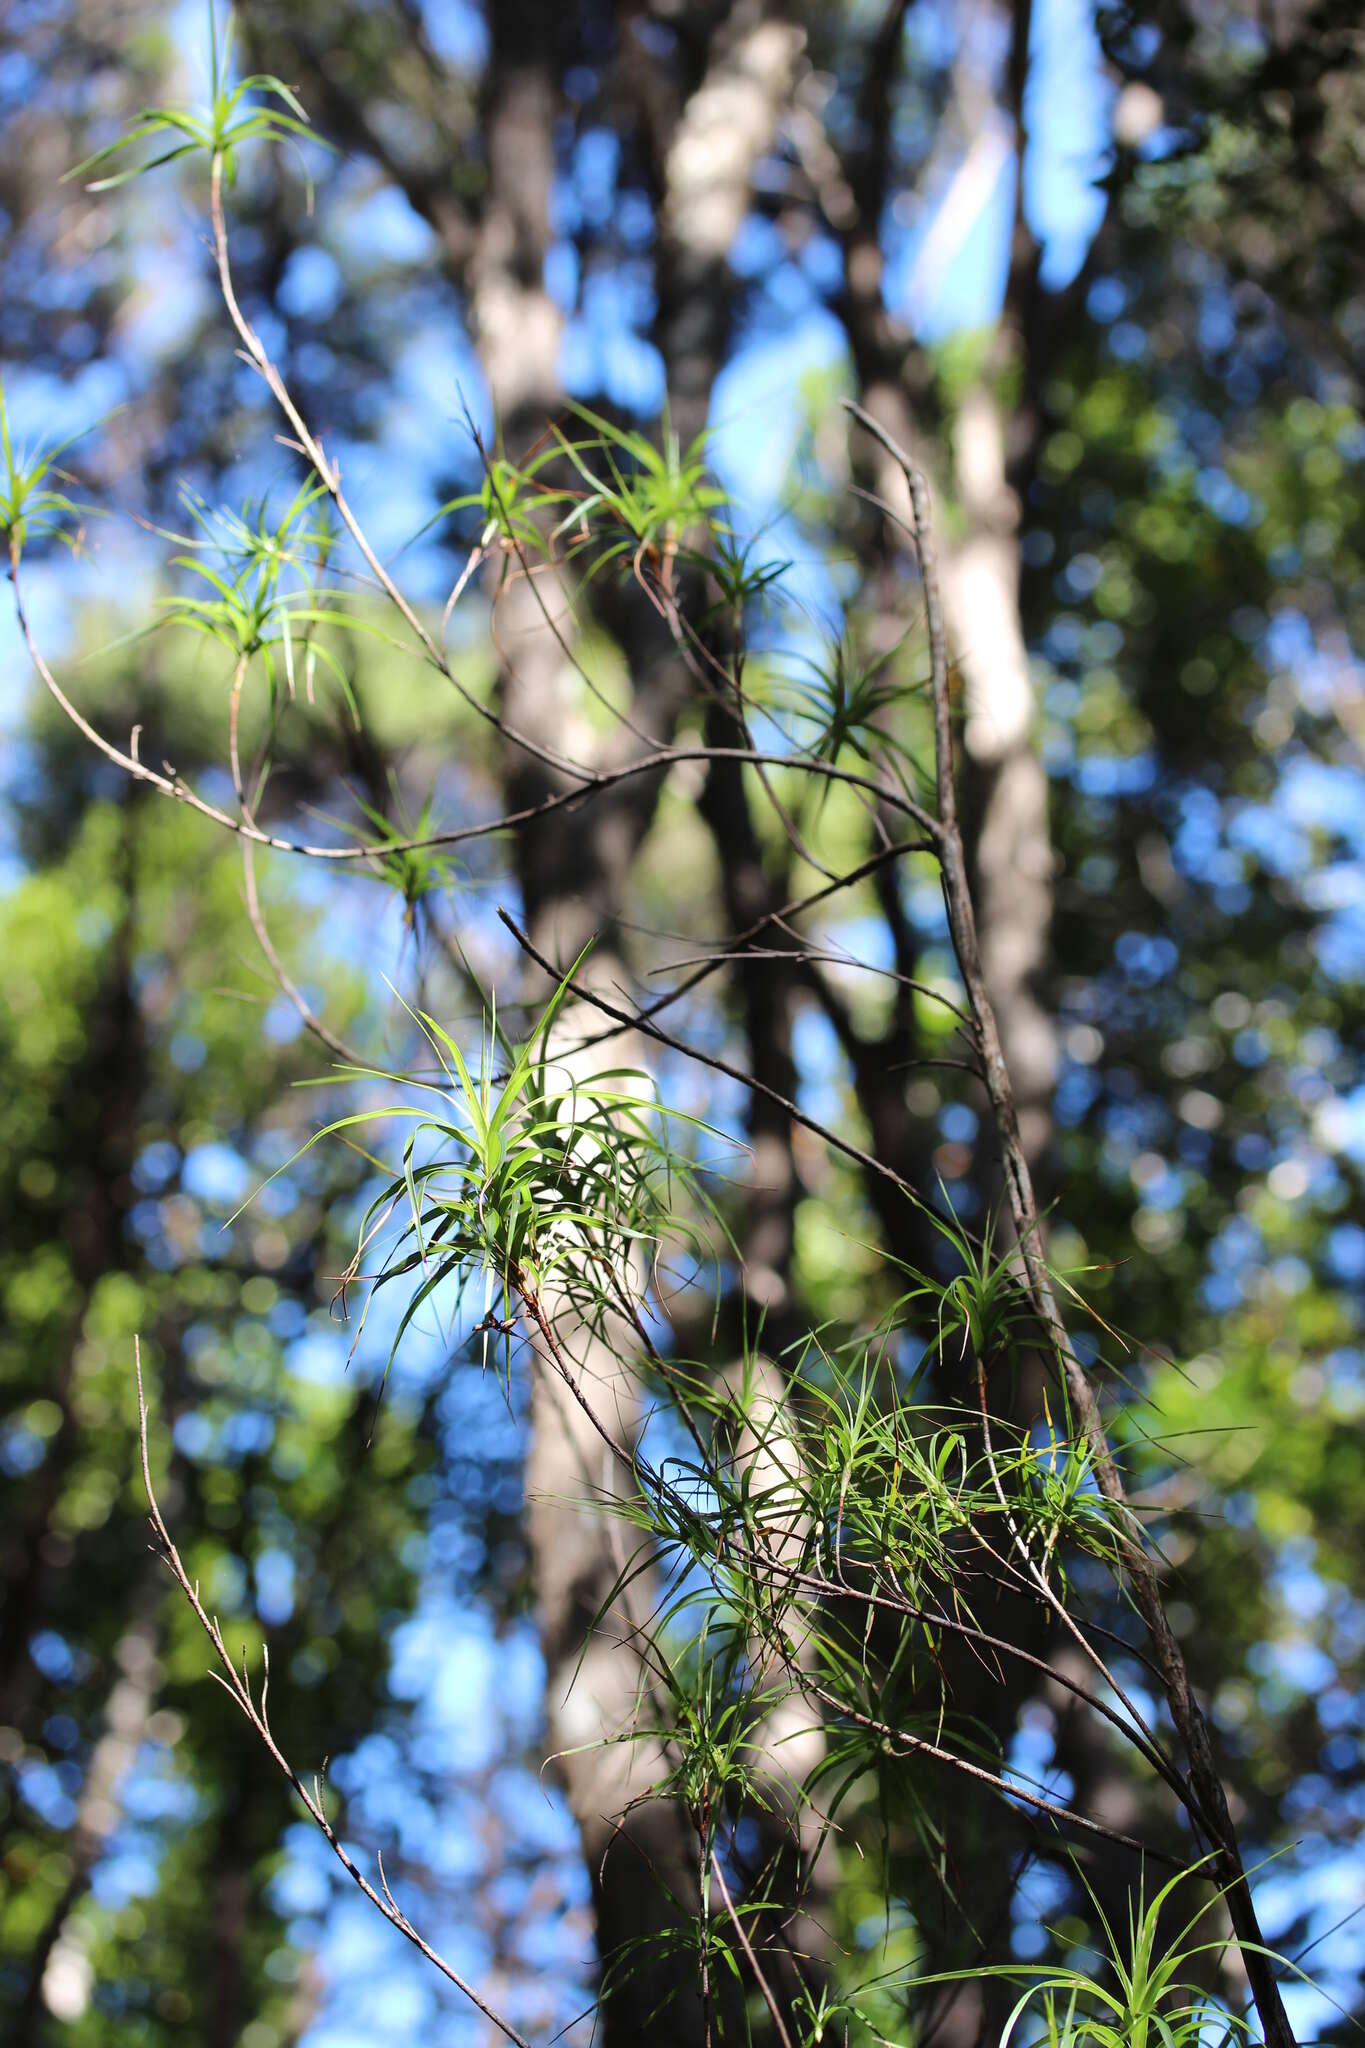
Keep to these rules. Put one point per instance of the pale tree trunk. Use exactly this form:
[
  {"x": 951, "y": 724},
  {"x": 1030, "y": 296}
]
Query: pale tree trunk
[
  {"x": 705, "y": 120},
  {"x": 1006, "y": 783},
  {"x": 1005, "y": 797},
  {"x": 575, "y": 878},
  {"x": 981, "y": 470},
  {"x": 994, "y": 460},
  {"x": 791, "y": 1735},
  {"x": 1006, "y": 814},
  {"x": 572, "y": 877},
  {"x": 575, "y": 875},
  {"x": 61, "y": 1980}
]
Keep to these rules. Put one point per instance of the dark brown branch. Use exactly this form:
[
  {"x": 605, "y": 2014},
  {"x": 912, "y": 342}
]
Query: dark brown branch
[
  {"x": 1147, "y": 1747},
  {"x": 1185, "y": 1710},
  {"x": 330, "y": 476},
  {"x": 591, "y": 782},
  {"x": 918, "y": 1745},
  {"x": 639, "y": 1022},
  {"x": 747, "y": 1946},
  {"x": 739, "y": 942}
]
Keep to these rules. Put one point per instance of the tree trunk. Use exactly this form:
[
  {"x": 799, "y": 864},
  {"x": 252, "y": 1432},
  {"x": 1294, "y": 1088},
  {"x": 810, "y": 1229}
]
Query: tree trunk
[
  {"x": 574, "y": 875},
  {"x": 60, "y": 1982}
]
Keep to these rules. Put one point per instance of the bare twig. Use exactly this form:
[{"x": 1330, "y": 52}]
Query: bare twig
[
  {"x": 1000, "y": 1646},
  {"x": 918, "y": 1745},
  {"x": 308, "y": 1016},
  {"x": 642, "y": 1022},
  {"x": 236, "y": 1685},
  {"x": 330, "y": 475},
  {"x": 590, "y": 782},
  {"x": 738, "y": 944},
  {"x": 768, "y": 1999}
]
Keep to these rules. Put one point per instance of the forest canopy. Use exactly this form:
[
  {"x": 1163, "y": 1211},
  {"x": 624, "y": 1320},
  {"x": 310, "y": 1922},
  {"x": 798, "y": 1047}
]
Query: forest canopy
[{"x": 683, "y": 1119}]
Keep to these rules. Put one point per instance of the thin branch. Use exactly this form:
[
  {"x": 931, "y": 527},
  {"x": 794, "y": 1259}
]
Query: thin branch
[
  {"x": 308, "y": 1016},
  {"x": 748, "y": 1948},
  {"x": 1039, "y": 1578},
  {"x": 641, "y": 1022},
  {"x": 330, "y": 476},
  {"x": 1185, "y": 1710},
  {"x": 972, "y": 1632},
  {"x": 170, "y": 784},
  {"x": 735, "y": 947},
  {"x": 591, "y": 782},
  {"x": 235, "y": 1683},
  {"x": 918, "y": 1745}
]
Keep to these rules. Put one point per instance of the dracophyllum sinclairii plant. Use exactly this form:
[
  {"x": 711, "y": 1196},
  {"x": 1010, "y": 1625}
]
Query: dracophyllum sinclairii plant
[{"x": 818, "y": 1535}]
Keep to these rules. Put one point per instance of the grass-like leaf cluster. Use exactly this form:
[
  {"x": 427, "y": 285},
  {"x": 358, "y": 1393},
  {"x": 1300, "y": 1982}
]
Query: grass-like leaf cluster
[
  {"x": 524, "y": 1176},
  {"x": 32, "y": 506},
  {"x": 236, "y": 114}
]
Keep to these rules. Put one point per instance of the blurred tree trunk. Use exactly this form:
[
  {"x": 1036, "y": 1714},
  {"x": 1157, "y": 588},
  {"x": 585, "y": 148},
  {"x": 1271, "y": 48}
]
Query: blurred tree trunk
[
  {"x": 108, "y": 1086},
  {"x": 980, "y": 462},
  {"x": 575, "y": 870},
  {"x": 995, "y": 460},
  {"x": 1006, "y": 804},
  {"x": 574, "y": 877},
  {"x": 59, "y": 1974}
]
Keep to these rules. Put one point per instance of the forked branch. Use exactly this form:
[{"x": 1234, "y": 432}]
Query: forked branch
[{"x": 1186, "y": 1712}]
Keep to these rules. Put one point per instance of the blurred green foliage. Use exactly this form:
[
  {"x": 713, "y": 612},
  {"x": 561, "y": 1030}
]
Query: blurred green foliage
[{"x": 141, "y": 1098}]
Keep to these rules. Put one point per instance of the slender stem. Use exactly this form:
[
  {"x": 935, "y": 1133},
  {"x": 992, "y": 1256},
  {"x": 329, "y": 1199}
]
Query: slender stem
[
  {"x": 170, "y": 784},
  {"x": 542, "y": 1323},
  {"x": 307, "y": 1015},
  {"x": 703, "y": 1825},
  {"x": 918, "y": 1745},
  {"x": 593, "y": 782},
  {"x": 1038, "y": 1579},
  {"x": 640, "y": 1021},
  {"x": 768, "y": 1999},
  {"x": 896, "y": 1603},
  {"x": 1185, "y": 1709},
  {"x": 236, "y": 1686}
]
